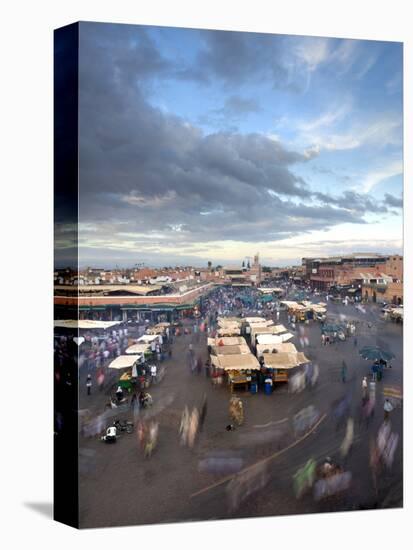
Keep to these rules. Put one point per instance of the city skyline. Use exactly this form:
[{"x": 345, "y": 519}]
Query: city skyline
[{"x": 201, "y": 146}]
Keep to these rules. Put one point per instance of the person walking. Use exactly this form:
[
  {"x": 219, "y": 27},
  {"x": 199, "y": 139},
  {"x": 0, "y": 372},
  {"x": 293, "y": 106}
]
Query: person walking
[
  {"x": 355, "y": 341},
  {"x": 153, "y": 373},
  {"x": 89, "y": 384}
]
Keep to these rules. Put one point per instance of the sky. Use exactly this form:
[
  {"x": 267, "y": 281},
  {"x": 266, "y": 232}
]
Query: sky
[{"x": 199, "y": 146}]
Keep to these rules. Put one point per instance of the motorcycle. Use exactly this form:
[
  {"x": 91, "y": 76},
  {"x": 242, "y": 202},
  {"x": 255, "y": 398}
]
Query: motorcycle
[{"x": 123, "y": 426}]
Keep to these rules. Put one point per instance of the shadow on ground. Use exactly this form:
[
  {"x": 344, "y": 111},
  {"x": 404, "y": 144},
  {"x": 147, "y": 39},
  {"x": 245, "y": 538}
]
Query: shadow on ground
[{"x": 43, "y": 508}]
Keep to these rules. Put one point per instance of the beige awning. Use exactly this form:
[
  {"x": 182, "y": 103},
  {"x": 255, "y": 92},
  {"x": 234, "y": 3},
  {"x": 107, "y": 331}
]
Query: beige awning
[
  {"x": 255, "y": 320},
  {"x": 137, "y": 348},
  {"x": 227, "y": 341},
  {"x": 235, "y": 362},
  {"x": 265, "y": 323},
  {"x": 229, "y": 331},
  {"x": 124, "y": 362},
  {"x": 284, "y": 360},
  {"x": 231, "y": 350},
  {"x": 156, "y": 330},
  {"x": 286, "y": 347}
]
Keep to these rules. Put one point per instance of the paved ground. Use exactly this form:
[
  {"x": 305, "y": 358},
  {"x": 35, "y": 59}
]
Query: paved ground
[{"x": 118, "y": 486}]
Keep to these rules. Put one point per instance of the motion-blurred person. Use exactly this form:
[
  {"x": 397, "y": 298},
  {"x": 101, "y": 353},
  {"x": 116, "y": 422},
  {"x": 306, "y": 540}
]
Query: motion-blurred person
[
  {"x": 203, "y": 413},
  {"x": 364, "y": 389},
  {"x": 119, "y": 393},
  {"x": 343, "y": 372},
  {"x": 89, "y": 384},
  {"x": 304, "y": 478},
  {"x": 388, "y": 407},
  {"x": 154, "y": 372},
  {"x": 348, "y": 438}
]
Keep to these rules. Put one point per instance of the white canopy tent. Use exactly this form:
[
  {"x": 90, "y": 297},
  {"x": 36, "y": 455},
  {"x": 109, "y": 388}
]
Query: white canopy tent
[
  {"x": 85, "y": 324},
  {"x": 148, "y": 338},
  {"x": 274, "y": 338},
  {"x": 125, "y": 361}
]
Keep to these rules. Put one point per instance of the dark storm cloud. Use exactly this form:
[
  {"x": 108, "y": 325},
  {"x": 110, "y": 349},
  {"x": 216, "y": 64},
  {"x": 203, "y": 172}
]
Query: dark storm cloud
[
  {"x": 150, "y": 180},
  {"x": 391, "y": 200}
]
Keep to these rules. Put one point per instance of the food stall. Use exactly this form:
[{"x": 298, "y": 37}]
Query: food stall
[
  {"x": 229, "y": 326},
  {"x": 283, "y": 362},
  {"x": 238, "y": 368},
  {"x": 129, "y": 363},
  {"x": 140, "y": 348},
  {"x": 158, "y": 329},
  {"x": 319, "y": 312}
]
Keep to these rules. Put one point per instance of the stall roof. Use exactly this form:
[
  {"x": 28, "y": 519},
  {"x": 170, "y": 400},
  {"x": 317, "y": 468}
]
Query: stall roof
[
  {"x": 285, "y": 347},
  {"x": 284, "y": 360},
  {"x": 229, "y": 320},
  {"x": 86, "y": 324},
  {"x": 263, "y": 323},
  {"x": 240, "y": 349},
  {"x": 273, "y": 329},
  {"x": 147, "y": 338},
  {"x": 156, "y": 330},
  {"x": 255, "y": 320},
  {"x": 227, "y": 341},
  {"x": 123, "y": 362},
  {"x": 137, "y": 348},
  {"x": 245, "y": 361},
  {"x": 229, "y": 331},
  {"x": 274, "y": 338}
]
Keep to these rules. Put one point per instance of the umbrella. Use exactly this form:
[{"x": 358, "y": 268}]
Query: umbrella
[{"x": 373, "y": 353}]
